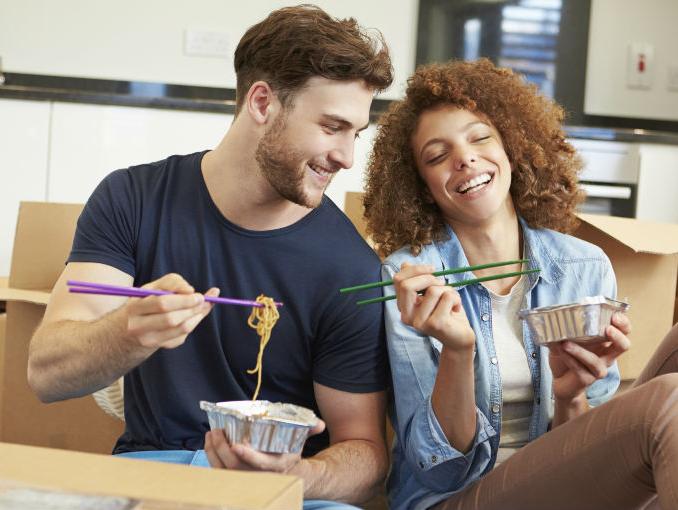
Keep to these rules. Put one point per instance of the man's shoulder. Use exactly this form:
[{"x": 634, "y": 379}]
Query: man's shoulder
[
  {"x": 341, "y": 232},
  {"x": 142, "y": 178}
]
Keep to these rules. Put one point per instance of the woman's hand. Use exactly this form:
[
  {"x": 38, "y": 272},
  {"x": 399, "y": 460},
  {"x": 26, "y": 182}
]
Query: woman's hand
[
  {"x": 438, "y": 312},
  {"x": 576, "y": 366}
]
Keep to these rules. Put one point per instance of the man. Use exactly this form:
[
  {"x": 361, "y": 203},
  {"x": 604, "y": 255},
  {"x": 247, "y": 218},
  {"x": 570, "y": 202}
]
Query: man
[{"x": 251, "y": 218}]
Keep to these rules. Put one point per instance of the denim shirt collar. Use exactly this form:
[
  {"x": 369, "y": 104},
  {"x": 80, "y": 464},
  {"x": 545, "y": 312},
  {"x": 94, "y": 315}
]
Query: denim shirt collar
[{"x": 538, "y": 253}]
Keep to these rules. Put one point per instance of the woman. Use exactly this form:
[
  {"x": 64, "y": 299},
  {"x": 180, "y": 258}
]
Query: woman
[{"x": 472, "y": 167}]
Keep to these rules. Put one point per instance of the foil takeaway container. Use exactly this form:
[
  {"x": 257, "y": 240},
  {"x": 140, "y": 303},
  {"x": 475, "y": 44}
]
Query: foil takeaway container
[
  {"x": 582, "y": 321},
  {"x": 263, "y": 425}
]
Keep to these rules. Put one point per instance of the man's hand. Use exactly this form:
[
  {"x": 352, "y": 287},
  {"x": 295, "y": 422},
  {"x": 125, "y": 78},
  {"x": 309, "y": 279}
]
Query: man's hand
[
  {"x": 221, "y": 454},
  {"x": 156, "y": 322},
  {"x": 577, "y": 366}
]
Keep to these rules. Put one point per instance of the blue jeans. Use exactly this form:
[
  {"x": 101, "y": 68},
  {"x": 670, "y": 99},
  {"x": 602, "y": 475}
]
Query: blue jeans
[{"x": 198, "y": 458}]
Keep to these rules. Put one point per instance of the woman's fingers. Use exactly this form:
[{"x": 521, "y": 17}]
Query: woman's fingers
[
  {"x": 408, "y": 282},
  {"x": 619, "y": 344},
  {"x": 622, "y": 322},
  {"x": 593, "y": 364}
]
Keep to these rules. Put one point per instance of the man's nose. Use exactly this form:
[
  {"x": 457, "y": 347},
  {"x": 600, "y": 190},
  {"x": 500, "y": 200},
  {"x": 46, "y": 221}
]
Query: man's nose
[{"x": 342, "y": 155}]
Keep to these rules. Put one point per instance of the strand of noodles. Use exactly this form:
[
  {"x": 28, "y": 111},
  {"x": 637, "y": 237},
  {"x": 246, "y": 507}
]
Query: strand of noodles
[{"x": 262, "y": 318}]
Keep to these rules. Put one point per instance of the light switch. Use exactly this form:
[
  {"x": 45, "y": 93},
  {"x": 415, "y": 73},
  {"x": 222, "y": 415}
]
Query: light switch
[
  {"x": 206, "y": 43},
  {"x": 640, "y": 65}
]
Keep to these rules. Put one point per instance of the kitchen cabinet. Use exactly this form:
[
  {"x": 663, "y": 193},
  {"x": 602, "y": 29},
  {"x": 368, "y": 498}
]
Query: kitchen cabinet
[
  {"x": 24, "y": 151},
  {"x": 658, "y": 183}
]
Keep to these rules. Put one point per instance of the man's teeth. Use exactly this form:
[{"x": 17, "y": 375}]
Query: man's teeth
[
  {"x": 320, "y": 171},
  {"x": 476, "y": 181}
]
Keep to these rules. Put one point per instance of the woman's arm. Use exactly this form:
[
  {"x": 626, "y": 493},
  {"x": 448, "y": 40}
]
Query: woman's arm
[{"x": 443, "y": 434}]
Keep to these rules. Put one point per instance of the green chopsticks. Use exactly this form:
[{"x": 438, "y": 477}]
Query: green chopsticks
[
  {"x": 374, "y": 285},
  {"x": 456, "y": 284},
  {"x": 444, "y": 272}
]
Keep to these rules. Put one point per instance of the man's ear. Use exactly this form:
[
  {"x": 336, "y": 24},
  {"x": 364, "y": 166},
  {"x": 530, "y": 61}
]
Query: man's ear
[{"x": 261, "y": 102}]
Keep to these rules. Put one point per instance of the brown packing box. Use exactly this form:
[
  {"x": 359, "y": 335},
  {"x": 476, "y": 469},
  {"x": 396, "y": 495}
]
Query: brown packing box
[
  {"x": 43, "y": 240},
  {"x": 3, "y": 322},
  {"x": 644, "y": 256},
  {"x": 156, "y": 485}
]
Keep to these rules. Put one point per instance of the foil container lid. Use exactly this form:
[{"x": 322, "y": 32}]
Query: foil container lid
[
  {"x": 263, "y": 425},
  {"x": 582, "y": 321}
]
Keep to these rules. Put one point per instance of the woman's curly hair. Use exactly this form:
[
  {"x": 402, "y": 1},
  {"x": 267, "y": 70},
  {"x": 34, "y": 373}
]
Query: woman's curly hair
[{"x": 399, "y": 208}]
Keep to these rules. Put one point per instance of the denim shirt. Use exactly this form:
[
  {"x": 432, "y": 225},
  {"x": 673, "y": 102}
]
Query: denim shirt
[{"x": 426, "y": 468}]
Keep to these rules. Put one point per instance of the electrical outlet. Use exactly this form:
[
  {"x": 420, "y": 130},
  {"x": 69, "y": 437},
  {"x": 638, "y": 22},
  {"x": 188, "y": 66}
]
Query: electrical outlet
[
  {"x": 206, "y": 43},
  {"x": 640, "y": 65}
]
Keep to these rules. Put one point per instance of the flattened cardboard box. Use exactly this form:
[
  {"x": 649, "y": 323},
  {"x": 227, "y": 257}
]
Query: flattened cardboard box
[
  {"x": 644, "y": 256},
  {"x": 155, "y": 485},
  {"x": 43, "y": 240}
]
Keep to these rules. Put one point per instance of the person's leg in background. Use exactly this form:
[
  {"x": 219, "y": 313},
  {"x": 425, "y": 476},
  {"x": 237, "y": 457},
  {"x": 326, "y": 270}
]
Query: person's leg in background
[{"x": 663, "y": 361}]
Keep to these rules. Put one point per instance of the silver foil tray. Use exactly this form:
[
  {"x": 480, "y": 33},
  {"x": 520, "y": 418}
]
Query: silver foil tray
[
  {"x": 264, "y": 426},
  {"x": 582, "y": 321}
]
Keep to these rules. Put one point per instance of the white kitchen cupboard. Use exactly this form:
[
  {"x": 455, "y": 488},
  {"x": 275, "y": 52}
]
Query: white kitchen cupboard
[
  {"x": 658, "y": 183},
  {"x": 90, "y": 141},
  {"x": 24, "y": 149}
]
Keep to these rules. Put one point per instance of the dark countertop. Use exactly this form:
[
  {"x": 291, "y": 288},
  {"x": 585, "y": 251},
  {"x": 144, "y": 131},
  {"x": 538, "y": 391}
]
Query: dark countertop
[{"x": 222, "y": 100}]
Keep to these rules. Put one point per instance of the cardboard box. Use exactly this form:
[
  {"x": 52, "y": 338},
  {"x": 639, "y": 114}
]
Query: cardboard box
[
  {"x": 644, "y": 256},
  {"x": 3, "y": 323},
  {"x": 43, "y": 240},
  {"x": 156, "y": 485}
]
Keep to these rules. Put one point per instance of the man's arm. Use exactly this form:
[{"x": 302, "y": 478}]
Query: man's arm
[
  {"x": 86, "y": 342},
  {"x": 352, "y": 469},
  {"x": 355, "y": 465}
]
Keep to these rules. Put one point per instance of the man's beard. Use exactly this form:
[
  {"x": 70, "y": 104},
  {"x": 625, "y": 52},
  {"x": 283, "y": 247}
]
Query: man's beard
[{"x": 283, "y": 166}]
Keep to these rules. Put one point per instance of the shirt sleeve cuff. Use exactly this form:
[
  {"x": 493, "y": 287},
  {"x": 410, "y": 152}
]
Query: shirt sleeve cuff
[{"x": 441, "y": 450}]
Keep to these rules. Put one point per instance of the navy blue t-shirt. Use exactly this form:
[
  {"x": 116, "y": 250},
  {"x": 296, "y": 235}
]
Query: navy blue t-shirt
[{"x": 154, "y": 219}]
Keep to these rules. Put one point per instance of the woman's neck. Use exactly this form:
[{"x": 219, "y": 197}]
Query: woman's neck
[{"x": 495, "y": 240}]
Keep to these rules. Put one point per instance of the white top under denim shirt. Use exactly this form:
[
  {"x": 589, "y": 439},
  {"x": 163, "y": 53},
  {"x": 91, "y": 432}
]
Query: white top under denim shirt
[{"x": 426, "y": 468}]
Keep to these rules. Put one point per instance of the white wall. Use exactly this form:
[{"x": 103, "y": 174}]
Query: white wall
[
  {"x": 614, "y": 25},
  {"x": 143, "y": 40}
]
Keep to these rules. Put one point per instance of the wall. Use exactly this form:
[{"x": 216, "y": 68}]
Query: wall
[
  {"x": 143, "y": 40},
  {"x": 614, "y": 25}
]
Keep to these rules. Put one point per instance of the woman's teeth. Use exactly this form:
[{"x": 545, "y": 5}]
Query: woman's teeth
[{"x": 474, "y": 184}]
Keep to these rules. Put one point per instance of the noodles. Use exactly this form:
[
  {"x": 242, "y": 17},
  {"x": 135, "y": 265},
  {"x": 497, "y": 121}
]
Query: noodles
[{"x": 262, "y": 318}]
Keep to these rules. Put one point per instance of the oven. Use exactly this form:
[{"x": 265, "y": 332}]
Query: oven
[{"x": 609, "y": 177}]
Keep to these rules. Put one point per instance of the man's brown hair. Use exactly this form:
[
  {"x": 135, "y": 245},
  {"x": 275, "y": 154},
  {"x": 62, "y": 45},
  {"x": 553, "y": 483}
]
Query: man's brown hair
[{"x": 294, "y": 44}]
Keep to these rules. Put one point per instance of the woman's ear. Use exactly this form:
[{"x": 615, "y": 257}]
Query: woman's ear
[{"x": 261, "y": 102}]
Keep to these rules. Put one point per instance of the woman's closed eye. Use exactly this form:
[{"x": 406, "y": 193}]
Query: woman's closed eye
[
  {"x": 481, "y": 138},
  {"x": 436, "y": 158}
]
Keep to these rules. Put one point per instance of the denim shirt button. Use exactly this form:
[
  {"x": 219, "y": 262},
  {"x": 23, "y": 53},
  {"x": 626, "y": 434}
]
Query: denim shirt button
[
  {"x": 495, "y": 408},
  {"x": 493, "y": 361},
  {"x": 434, "y": 459},
  {"x": 538, "y": 400},
  {"x": 534, "y": 355},
  {"x": 485, "y": 317}
]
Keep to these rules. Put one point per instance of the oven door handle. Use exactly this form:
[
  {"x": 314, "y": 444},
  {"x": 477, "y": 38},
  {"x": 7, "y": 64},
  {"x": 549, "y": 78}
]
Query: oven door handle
[{"x": 600, "y": 191}]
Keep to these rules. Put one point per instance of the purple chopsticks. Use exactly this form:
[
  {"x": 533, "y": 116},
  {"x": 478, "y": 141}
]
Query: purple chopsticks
[{"x": 104, "y": 289}]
